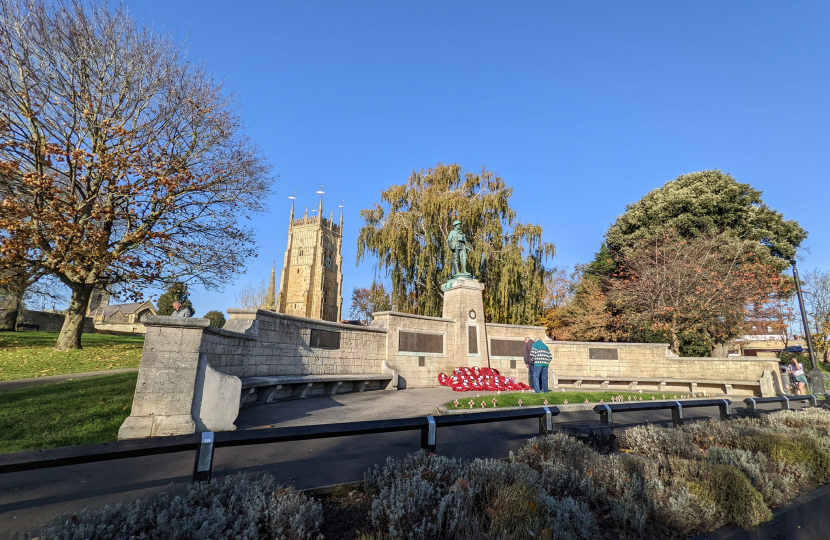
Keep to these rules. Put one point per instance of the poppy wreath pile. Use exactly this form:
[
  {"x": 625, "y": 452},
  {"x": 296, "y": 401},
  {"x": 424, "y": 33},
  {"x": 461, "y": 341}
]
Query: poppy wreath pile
[{"x": 464, "y": 379}]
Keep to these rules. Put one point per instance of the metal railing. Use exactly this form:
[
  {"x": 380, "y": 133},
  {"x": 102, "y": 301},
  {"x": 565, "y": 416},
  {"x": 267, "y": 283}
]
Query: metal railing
[
  {"x": 607, "y": 410},
  {"x": 752, "y": 403},
  {"x": 205, "y": 443}
]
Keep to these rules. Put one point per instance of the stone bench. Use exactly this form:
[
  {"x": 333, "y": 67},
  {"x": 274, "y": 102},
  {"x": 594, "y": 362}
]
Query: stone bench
[
  {"x": 270, "y": 388},
  {"x": 661, "y": 383}
]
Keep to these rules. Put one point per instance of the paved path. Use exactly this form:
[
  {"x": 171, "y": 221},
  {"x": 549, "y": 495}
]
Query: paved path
[
  {"x": 30, "y": 498},
  {"x": 375, "y": 405},
  {"x": 38, "y": 381}
]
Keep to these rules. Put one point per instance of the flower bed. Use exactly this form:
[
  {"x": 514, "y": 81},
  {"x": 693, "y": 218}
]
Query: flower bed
[{"x": 525, "y": 399}]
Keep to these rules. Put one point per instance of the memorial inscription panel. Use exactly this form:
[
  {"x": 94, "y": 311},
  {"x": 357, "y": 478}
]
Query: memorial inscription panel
[
  {"x": 420, "y": 342},
  {"x": 472, "y": 338},
  {"x": 602, "y": 354},
  {"x": 507, "y": 347},
  {"x": 324, "y": 339}
]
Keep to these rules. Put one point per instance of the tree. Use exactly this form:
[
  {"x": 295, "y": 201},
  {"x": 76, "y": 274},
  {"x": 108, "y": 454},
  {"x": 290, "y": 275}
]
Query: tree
[
  {"x": 587, "y": 315},
  {"x": 176, "y": 292},
  {"x": 559, "y": 290},
  {"x": 367, "y": 301},
  {"x": 697, "y": 292},
  {"x": 708, "y": 205},
  {"x": 705, "y": 203},
  {"x": 817, "y": 304},
  {"x": 123, "y": 164},
  {"x": 217, "y": 318},
  {"x": 252, "y": 295},
  {"x": 409, "y": 240},
  {"x": 19, "y": 286}
]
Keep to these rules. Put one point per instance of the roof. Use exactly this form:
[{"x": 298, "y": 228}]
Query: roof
[{"x": 124, "y": 309}]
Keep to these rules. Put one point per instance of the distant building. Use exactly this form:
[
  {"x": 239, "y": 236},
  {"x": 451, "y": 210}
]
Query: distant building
[
  {"x": 312, "y": 278},
  {"x": 117, "y": 317},
  {"x": 765, "y": 339}
]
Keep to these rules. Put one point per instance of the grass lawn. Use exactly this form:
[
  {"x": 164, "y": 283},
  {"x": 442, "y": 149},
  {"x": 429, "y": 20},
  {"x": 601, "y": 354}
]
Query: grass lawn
[
  {"x": 31, "y": 354},
  {"x": 553, "y": 398},
  {"x": 80, "y": 411}
]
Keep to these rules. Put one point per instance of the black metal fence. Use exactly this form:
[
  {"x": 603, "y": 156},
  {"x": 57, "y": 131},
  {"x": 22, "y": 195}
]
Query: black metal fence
[{"x": 206, "y": 443}]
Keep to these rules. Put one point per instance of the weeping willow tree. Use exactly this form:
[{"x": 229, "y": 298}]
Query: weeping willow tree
[{"x": 409, "y": 239}]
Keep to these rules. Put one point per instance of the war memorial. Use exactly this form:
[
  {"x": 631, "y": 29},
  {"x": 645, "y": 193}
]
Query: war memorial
[{"x": 195, "y": 377}]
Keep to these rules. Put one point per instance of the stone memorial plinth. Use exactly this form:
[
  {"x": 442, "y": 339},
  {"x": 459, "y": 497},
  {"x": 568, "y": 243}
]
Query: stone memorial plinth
[{"x": 464, "y": 304}]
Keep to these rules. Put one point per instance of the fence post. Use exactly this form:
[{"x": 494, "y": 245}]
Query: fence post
[
  {"x": 724, "y": 410},
  {"x": 606, "y": 416},
  {"x": 545, "y": 422},
  {"x": 785, "y": 405},
  {"x": 428, "y": 436},
  {"x": 677, "y": 414},
  {"x": 204, "y": 458}
]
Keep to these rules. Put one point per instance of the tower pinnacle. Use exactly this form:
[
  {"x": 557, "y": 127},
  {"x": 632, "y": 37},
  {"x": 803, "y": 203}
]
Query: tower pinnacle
[{"x": 270, "y": 301}]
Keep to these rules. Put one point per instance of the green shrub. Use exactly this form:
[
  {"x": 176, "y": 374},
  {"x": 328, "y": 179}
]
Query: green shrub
[
  {"x": 217, "y": 318},
  {"x": 233, "y": 508},
  {"x": 725, "y": 488},
  {"x": 427, "y": 496},
  {"x": 791, "y": 448}
]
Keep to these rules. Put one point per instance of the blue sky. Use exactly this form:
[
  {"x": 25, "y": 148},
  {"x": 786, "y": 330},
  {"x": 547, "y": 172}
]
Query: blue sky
[{"x": 583, "y": 107}]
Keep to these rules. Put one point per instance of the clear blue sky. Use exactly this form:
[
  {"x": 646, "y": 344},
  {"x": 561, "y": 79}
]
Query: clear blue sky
[{"x": 583, "y": 107}]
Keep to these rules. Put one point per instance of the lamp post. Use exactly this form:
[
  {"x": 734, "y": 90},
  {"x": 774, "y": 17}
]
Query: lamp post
[{"x": 816, "y": 377}]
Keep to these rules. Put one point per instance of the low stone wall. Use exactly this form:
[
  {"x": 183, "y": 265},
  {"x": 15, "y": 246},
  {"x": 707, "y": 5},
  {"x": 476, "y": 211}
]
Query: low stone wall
[
  {"x": 511, "y": 365},
  {"x": 190, "y": 372},
  {"x": 416, "y": 369},
  {"x": 282, "y": 345},
  {"x": 121, "y": 328},
  {"x": 48, "y": 321},
  {"x": 646, "y": 361}
]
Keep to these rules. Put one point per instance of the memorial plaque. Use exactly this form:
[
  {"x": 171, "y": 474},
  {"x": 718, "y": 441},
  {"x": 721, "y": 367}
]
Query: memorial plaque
[
  {"x": 507, "y": 347},
  {"x": 420, "y": 342},
  {"x": 602, "y": 354},
  {"x": 472, "y": 337},
  {"x": 324, "y": 339}
]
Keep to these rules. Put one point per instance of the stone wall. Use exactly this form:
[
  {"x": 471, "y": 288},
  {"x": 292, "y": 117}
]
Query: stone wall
[
  {"x": 651, "y": 362},
  {"x": 416, "y": 369},
  {"x": 511, "y": 365},
  {"x": 282, "y": 346},
  {"x": 48, "y": 321}
]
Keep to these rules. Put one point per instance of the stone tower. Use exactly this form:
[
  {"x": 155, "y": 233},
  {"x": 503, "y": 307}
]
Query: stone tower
[
  {"x": 312, "y": 278},
  {"x": 99, "y": 297}
]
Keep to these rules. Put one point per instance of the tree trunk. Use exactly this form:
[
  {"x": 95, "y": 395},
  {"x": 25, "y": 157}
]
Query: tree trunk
[
  {"x": 73, "y": 324},
  {"x": 10, "y": 313}
]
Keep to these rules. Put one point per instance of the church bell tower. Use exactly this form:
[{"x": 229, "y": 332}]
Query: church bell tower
[{"x": 312, "y": 277}]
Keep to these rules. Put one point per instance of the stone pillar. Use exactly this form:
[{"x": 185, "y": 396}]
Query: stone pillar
[
  {"x": 463, "y": 302},
  {"x": 166, "y": 378}
]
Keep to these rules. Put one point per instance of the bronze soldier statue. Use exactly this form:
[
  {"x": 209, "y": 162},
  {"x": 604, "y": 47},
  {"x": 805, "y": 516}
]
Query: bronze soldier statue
[{"x": 457, "y": 241}]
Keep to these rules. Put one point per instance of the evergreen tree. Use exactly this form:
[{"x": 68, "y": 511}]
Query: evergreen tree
[
  {"x": 176, "y": 291},
  {"x": 217, "y": 318}
]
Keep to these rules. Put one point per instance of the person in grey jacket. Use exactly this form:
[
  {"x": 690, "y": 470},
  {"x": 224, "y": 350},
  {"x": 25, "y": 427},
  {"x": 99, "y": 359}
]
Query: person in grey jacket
[
  {"x": 531, "y": 372},
  {"x": 179, "y": 311}
]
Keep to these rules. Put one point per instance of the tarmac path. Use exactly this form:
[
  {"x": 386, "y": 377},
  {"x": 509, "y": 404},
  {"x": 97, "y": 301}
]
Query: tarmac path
[
  {"x": 39, "y": 381},
  {"x": 31, "y": 498}
]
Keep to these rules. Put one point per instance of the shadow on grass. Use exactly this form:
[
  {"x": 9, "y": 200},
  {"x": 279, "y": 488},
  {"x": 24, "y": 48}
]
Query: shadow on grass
[{"x": 81, "y": 411}]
